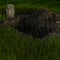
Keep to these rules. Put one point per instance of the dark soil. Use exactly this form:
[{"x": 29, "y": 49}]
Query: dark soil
[{"x": 38, "y": 23}]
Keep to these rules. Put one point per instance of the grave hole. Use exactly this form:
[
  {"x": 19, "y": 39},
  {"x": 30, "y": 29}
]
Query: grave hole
[{"x": 38, "y": 23}]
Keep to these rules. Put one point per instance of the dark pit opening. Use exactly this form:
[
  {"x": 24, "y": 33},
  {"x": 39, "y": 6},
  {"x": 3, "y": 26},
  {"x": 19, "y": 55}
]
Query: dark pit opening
[
  {"x": 38, "y": 33},
  {"x": 38, "y": 24}
]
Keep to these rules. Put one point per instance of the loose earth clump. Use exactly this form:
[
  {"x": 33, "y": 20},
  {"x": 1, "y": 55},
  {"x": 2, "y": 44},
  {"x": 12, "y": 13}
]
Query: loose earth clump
[{"x": 38, "y": 23}]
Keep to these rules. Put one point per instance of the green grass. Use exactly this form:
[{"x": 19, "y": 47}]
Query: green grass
[
  {"x": 53, "y": 5},
  {"x": 22, "y": 6},
  {"x": 15, "y": 45}
]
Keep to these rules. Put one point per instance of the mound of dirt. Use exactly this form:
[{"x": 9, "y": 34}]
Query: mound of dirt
[{"x": 38, "y": 23}]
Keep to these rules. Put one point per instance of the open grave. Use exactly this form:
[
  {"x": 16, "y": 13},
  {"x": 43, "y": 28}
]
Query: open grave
[{"x": 38, "y": 23}]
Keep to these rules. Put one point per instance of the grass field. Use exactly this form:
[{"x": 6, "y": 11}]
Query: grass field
[
  {"x": 20, "y": 46},
  {"x": 53, "y": 5},
  {"x": 22, "y": 6},
  {"x": 16, "y": 45}
]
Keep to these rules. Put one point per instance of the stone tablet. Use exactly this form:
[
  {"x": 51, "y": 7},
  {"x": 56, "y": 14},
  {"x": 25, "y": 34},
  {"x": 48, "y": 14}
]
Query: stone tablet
[{"x": 10, "y": 11}]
